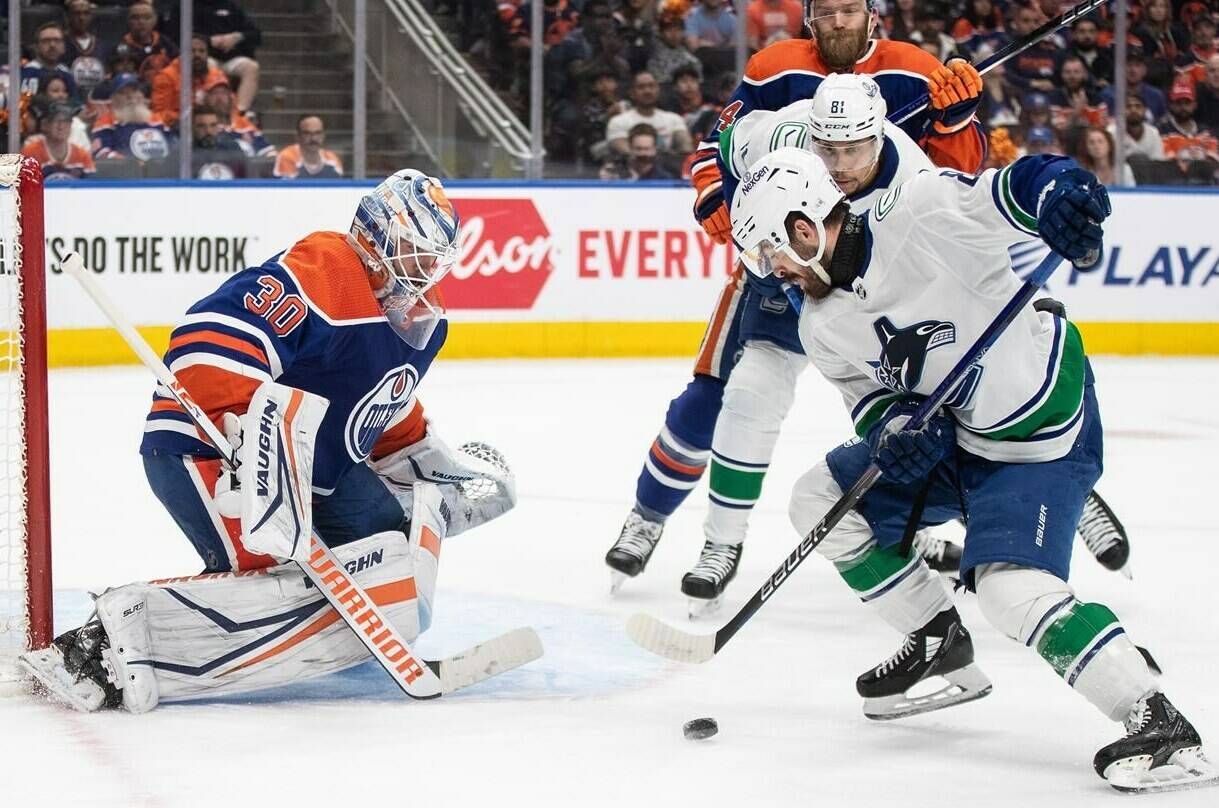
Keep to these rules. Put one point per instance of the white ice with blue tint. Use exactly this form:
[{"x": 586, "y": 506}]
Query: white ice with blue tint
[{"x": 598, "y": 721}]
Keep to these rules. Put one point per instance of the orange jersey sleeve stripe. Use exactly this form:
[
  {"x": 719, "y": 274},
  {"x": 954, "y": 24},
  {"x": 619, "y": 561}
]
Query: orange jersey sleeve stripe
[
  {"x": 409, "y": 430},
  {"x": 225, "y": 340},
  {"x": 217, "y": 390}
]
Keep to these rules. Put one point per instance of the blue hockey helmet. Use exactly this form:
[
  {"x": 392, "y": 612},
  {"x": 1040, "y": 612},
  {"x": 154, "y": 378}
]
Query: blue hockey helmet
[{"x": 406, "y": 231}]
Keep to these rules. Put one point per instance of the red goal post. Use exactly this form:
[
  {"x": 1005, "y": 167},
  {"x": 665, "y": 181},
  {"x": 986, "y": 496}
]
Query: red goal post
[{"x": 25, "y": 511}]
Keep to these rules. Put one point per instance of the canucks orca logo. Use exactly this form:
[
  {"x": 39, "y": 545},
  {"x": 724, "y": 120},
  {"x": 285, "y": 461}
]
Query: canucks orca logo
[
  {"x": 903, "y": 351},
  {"x": 377, "y": 408}
]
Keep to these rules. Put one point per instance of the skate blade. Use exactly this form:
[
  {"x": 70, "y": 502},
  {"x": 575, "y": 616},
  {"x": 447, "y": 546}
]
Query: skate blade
[
  {"x": 700, "y": 608},
  {"x": 1125, "y": 571},
  {"x": 1186, "y": 768},
  {"x": 617, "y": 579},
  {"x": 45, "y": 669},
  {"x": 962, "y": 686}
]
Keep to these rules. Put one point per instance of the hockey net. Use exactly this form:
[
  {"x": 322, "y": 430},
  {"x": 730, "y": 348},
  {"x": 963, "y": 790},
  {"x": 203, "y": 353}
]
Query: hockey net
[{"x": 25, "y": 552}]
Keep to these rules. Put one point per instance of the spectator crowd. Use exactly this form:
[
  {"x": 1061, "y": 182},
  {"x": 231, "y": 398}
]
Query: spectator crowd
[
  {"x": 100, "y": 92},
  {"x": 632, "y": 86}
]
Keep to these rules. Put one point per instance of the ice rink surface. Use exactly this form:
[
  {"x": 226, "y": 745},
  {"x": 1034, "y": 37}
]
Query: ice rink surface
[{"x": 598, "y": 721}]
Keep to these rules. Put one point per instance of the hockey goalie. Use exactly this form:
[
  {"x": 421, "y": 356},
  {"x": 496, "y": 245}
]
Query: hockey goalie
[{"x": 339, "y": 329}]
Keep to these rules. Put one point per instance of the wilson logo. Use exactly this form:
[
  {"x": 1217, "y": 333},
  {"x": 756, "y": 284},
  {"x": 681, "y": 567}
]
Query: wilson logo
[{"x": 505, "y": 255}]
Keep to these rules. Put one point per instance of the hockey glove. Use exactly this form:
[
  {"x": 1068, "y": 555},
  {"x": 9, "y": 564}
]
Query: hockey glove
[
  {"x": 904, "y": 456},
  {"x": 954, "y": 91},
  {"x": 1069, "y": 214},
  {"x": 712, "y": 213},
  {"x": 228, "y": 487}
]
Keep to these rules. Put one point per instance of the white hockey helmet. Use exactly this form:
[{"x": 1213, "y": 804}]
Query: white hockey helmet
[
  {"x": 786, "y": 181},
  {"x": 406, "y": 232},
  {"x": 847, "y": 122}
]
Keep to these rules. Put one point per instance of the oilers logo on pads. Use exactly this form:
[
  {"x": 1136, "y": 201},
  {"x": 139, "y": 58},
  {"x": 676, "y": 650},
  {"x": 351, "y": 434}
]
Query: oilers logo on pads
[
  {"x": 903, "y": 351},
  {"x": 377, "y": 409}
]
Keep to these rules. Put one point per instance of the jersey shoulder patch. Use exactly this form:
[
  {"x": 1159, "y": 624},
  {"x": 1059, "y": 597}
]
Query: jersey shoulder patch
[
  {"x": 782, "y": 56},
  {"x": 332, "y": 277},
  {"x": 891, "y": 56}
]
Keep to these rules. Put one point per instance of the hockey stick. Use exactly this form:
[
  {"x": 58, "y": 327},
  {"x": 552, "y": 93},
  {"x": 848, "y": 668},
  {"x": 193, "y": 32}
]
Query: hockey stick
[
  {"x": 419, "y": 680},
  {"x": 661, "y": 638},
  {"x": 1011, "y": 49}
]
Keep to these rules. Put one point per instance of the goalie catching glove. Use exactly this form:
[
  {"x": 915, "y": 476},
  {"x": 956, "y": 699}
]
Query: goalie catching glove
[{"x": 475, "y": 480}]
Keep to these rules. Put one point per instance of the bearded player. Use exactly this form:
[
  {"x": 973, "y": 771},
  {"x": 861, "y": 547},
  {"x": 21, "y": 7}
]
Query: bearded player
[{"x": 357, "y": 319}]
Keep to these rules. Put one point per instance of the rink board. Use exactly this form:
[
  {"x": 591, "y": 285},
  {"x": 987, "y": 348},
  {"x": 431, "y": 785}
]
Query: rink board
[{"x": 564, "y": 269}]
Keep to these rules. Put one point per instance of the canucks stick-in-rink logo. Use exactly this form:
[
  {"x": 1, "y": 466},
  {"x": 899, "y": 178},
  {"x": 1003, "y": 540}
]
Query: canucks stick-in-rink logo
[
  {"x": 377, "y": 408},
  {"x": 903, "y": 351}
]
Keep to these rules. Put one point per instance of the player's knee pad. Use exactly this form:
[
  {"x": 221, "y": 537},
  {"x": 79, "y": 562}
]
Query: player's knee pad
[
  {"x": 222, "y": 633},
  {"x": 1018, "y": 600},
  {"x": 691, "y": 416},
  {"x": 757, "y": 398},
  {"x": 812, "y": 497}
]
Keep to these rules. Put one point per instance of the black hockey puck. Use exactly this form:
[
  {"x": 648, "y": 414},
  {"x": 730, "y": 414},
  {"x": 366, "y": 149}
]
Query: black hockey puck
[{"x": 700, "y": 729}]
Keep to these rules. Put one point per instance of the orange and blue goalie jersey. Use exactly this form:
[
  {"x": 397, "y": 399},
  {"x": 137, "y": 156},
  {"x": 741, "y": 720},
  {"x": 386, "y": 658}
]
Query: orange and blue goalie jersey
[
  {"x": 792, "y": 70},
  {"x": 306, "y": 318}
]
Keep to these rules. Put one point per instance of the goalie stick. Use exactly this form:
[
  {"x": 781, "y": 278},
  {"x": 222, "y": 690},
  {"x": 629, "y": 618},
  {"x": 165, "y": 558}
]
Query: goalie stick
[
  {"x": 419, "y": 679},
  {"x": 1008, "y": 51},
  {"x": 660, "y": 638}
]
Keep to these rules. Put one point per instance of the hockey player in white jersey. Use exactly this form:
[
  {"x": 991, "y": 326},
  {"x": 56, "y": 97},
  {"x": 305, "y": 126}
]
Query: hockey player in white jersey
[
  {"x": 892, "y": 299},
  {"x": 845, "y": 124}
]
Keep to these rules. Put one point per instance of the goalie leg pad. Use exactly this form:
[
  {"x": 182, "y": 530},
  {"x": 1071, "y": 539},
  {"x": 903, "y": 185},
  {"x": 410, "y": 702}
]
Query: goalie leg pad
[
  {"x": 186, "y": 486},
  {"x": 223, "y": 633}
]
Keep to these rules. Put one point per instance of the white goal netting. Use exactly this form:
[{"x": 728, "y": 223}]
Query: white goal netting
[{"x": 16, "y": 613}]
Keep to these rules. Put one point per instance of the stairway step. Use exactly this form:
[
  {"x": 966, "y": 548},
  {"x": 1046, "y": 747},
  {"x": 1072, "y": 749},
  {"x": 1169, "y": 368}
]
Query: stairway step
[
  {"x": 314, "y": 42},
  {"x": 288, "y": 22}
]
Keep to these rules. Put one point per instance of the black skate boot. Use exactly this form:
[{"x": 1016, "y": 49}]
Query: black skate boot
[
  {"x": 1161, "y": 751},
  {"x": 942, "y": 648},
  {"x": 629, "y": 555},
  {"x": 717, "y": 565},
  {"x": 940, "y": 554},
  {"x": 1104, "y": 535},
  {"x": 74, "y": 669}
]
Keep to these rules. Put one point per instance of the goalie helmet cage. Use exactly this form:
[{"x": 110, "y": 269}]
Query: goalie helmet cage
[{"x": 25, "y": 543}]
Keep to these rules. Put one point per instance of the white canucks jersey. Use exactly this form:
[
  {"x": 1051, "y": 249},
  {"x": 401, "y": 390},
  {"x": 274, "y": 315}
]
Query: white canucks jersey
[
  {"x": 761, "y": 132},
  {"x": 936, "y": 273}
]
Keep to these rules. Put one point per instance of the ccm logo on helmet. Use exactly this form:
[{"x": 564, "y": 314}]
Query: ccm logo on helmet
[{"x": 377, "y": 408}]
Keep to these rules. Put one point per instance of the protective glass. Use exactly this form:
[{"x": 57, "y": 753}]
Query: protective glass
[{"x": 408, "y": 297}]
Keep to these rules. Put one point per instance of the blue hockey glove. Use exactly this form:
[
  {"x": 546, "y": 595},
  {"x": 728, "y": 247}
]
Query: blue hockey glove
[
  {"x": 906, "y": 456},
  {"x": 1070, "y": 212}
]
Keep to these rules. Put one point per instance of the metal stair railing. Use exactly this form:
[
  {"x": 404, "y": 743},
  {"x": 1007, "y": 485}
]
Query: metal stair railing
[{"x": 454, "y": 117}]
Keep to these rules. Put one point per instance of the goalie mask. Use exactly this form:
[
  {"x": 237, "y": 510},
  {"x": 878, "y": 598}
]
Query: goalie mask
[
  {"x": 786, "y": 181},
  {"x": 847, "y": 124},
  {"x": 406, "y": 231}
]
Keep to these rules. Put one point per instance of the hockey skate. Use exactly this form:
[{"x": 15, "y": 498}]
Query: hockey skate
[
  {"x": 75, "y": 669},
  {"x": 704, "y": 585},
  {"x": 939, "y": 651},
  {"x": 1161, "y": 752},
  {"x": 940, "y": 554},
  {"x": 630, "y": 553},
  {"x": 1104, "y": 535}
]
